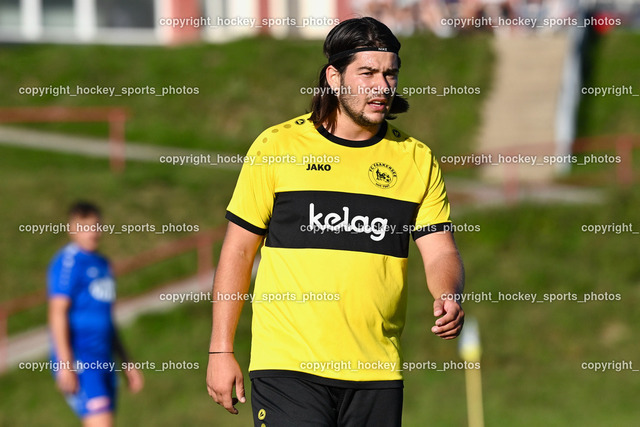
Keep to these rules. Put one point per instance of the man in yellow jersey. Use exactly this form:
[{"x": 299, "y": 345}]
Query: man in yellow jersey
[{"x": 338, "y": 193}]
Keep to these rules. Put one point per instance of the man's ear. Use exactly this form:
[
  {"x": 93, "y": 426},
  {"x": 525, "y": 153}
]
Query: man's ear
[{"x": 333, "y": 78}]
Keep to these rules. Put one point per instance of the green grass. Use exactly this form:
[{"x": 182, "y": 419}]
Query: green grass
[
  {"x": 612, "y": 62},
  {"x": 170, "y": 397},
  {"x": 598, "y": 171},
  {"x": 447, "y": 124},
  {"x": 146, "y": 193},
  {"x": 244, "y": 86},
  {"x": 532, "y": 353},
  {"x": 236, "y": 101},
  {"x": 615, "y": 62},
  {"x": 38, "y": 188},
  {"x": 615, "y": 59},
  {"x": 129, "y": 285}
]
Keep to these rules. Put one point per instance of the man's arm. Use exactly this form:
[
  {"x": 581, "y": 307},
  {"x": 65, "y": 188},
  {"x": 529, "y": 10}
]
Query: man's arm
[
  {"x": 135, "y": 380},
  {"x": 233, "y": 275},
  {"x": 58, "y": 315},
  {"x": 445, "y": 276}
]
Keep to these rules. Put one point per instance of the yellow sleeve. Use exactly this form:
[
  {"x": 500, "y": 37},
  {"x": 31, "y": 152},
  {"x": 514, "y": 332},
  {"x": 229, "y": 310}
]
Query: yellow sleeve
[
  {"x": 433, "y": 212},
  {"x": 251, "y": 205}
]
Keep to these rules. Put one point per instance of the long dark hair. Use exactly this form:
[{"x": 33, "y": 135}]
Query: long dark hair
[{"x": 352, "y": 34}]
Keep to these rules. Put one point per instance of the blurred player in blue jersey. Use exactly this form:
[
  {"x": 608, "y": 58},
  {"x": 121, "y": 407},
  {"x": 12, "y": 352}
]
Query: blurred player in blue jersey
[{"x": 81, "y": 293}]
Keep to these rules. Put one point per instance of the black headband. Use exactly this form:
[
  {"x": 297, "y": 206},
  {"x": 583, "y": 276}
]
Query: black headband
[{"x": 346, "y": 53}]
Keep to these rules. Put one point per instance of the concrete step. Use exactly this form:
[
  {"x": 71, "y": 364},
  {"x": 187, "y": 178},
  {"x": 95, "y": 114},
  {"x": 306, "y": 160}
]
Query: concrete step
[{"x": 519, "y": 114}]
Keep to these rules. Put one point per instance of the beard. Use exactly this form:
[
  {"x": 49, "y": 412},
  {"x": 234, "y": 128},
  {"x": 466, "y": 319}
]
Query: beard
[{"x": 349, "y": 104}]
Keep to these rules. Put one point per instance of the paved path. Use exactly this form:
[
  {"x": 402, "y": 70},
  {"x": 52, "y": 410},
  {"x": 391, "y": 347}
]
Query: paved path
[
  {"x": 520, "y": 112},
  {"x": 468, "y": 192},
  {"x": 34, "y": 344}
]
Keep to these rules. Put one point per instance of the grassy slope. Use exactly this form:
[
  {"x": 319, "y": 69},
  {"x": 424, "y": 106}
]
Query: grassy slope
[
  {"x": 237, "y": 100},
  {"x": 244, "y": 87},
  {"x": 156, "y": 194},
  {"x": 532, "y": 354},
  {"x": 616, "y": 61},
  {"x": 147, "y": 193}
]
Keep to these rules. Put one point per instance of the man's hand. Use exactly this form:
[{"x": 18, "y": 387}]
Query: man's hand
[
  {"x": 449, "y": 325},
  {"x": 445, "y": 276},
  {"x": 233, "y": 276},
  {"x": 223, "y": 373},
  {"x": 67, "y": 381},
  {"x": 135, "y": 380}
]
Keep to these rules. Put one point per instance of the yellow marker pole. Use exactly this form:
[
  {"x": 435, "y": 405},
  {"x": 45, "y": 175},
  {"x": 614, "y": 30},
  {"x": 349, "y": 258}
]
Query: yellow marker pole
[{"x": 470, "y": 351}]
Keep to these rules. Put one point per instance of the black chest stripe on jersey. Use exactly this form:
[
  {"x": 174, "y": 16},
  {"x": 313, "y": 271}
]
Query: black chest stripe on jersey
[{"x": 342, "y": 221}]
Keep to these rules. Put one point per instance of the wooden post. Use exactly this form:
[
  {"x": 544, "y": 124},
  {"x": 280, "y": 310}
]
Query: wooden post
[
  {"x": 624, "y": 169},
  {"x": 511, "y": 182},
  {"x": 205, "y": 263},
  {"x": 116, "y": 141},
  {"x": 4, "y": 339}
]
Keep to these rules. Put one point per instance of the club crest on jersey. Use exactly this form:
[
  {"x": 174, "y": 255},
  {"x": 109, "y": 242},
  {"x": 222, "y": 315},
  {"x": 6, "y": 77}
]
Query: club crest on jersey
[
  {"x": 382, "y": 175},
  {"x": 103, "y": 289},
  {"x": 376, "y": 227}
]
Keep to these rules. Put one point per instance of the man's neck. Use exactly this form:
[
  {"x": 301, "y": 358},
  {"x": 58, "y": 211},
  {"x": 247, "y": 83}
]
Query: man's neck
[
  {"x": 346, "y": 128},
  {"x": 83, "y": 248}
]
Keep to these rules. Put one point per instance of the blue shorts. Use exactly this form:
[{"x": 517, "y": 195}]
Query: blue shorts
[{"x": 96, "y": 392}]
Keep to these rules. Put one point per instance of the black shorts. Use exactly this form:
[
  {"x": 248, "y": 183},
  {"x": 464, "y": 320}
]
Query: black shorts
[{"x": 300, "y": 402}]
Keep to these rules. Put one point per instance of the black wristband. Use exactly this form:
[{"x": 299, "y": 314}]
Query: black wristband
[{"x": 221, "y": 352}]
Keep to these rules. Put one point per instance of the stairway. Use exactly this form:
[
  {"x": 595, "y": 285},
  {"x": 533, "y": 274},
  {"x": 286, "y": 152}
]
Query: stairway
[{"x": 518, "y": 117}]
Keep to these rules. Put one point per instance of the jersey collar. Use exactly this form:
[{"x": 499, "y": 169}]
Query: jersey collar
[{"x": 349, "y": 143}]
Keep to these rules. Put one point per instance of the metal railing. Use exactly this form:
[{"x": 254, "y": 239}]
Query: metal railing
[
  {"x": 622, "y": 145},
  {"x": 116, "y": 118}
]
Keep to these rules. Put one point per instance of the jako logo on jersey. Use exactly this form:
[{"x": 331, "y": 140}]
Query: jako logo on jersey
[
  {"x": 358, "y": 224},
  {"x": 382, "y": 175},
  {"x": 103, "y": 289},
  {"x": 318, "y": 167}
]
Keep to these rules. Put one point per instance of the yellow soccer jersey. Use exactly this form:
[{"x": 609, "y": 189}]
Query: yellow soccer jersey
[{"x": 330, "y": 294}]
